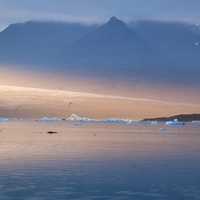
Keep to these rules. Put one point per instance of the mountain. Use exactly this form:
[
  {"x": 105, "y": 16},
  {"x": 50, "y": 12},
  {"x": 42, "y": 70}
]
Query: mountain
[
  {"x": 112, "y": 44},
  {"x": 114, "y": 32},
  {"x": 175, "y": 49},
  {"x": 37, "y": 42},
  {"x": 149, "y": 50}
]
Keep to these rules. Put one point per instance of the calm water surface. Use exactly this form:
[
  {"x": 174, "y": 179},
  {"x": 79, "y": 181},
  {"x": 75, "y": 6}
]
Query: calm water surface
[{"x": 98, "y": 162}]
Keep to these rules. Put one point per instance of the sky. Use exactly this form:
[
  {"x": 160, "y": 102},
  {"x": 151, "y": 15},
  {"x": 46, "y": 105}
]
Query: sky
[{"x": 92, "y": 11}]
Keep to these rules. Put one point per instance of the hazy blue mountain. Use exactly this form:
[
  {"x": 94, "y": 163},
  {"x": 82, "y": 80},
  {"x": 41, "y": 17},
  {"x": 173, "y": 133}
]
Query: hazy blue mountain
[
  {"x": 38, "y": 42},
  {"x": 175, "y": 48},
  {"x": 147, "y": 49},
  {"x": 113, "y": 44}
]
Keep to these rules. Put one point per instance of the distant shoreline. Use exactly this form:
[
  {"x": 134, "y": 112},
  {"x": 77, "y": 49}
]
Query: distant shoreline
[{"x": 181, "y": 118}]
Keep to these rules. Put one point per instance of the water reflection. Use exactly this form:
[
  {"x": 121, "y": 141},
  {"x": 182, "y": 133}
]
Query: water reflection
[{"x": 98, "y": 162}]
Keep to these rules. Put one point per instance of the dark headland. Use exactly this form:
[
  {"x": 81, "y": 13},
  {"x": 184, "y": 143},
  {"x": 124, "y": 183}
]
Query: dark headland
[{"x": 181, "y": 118}]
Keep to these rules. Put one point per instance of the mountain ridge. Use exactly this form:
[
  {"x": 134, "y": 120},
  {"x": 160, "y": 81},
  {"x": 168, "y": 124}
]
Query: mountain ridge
[{"x": 152, "y": 51}]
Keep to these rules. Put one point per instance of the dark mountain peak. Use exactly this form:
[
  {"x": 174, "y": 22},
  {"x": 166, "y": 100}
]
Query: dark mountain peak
[
  {"x": 113, "y": 33},
  {"x": 114, "y": 21},
  {"x": 115, "y": 26}
]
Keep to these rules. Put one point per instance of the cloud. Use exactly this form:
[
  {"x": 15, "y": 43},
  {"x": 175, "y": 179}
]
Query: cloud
[
  {"x": 96, "y": 11},
  {"x": 7, "y": 17}
]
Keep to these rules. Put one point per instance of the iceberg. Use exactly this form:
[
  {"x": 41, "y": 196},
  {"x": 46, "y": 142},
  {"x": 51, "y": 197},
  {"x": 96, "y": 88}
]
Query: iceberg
[
  {"x": 49, "y": 119},
  {"x": 195, "y": 122},
  {"x": 154, "y": 123},
  {"x": 118, "y": 121},
  {"x": 3, "y": 119},
  {"x": 77, "y": 118},
  {"x": 175, "y": 122}
]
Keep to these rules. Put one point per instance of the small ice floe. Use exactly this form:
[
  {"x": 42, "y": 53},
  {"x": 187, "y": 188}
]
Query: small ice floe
[
  {"x": 195, "y": 123},
  {"x": 163, "y": 130},
  {"x": 149, "y": 123},
  {"x": 197, "y": 43},
  {"x": 154, "y": 123},
  {"x": 175, "y": 122},
  {"x": 3, "y": 119},
  {"x": 118, "y": 121},
  {"x": 49, "y": 119}
]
